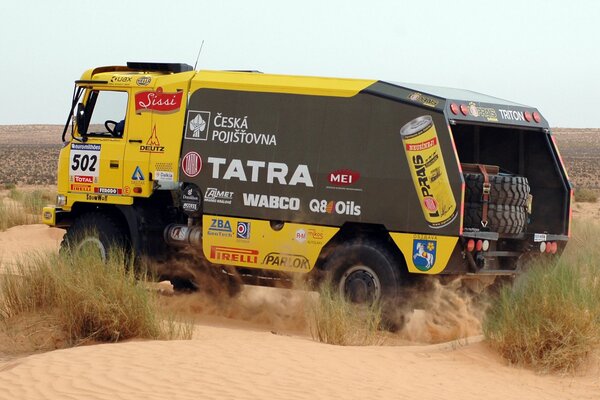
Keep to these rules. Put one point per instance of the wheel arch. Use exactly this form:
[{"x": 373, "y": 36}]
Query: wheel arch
[
  {"x": 368, "y": 232},
  {"x": 123, "y": 216}
]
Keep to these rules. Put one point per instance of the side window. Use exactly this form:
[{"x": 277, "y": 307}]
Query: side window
[{"x": 105, "y": 111}]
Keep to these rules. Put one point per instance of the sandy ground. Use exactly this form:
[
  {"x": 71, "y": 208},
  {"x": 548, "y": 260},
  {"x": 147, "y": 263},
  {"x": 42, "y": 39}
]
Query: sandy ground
[{"x": 230, "y": 359}]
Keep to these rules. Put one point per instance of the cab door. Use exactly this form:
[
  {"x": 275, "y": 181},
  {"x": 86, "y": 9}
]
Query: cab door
[
  {"x": 95, "y": 162},
  {"x": 154, "y": 135}
]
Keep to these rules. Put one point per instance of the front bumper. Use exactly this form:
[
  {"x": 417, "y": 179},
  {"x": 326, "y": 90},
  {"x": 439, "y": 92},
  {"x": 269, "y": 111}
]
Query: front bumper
[{"x": 55, "y": 216}]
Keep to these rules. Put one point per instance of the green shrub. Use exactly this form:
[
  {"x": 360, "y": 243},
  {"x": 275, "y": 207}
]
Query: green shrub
[{"x": 550, "y": 318}]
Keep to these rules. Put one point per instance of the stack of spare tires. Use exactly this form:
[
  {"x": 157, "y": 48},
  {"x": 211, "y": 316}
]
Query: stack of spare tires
[{"x": 507, "y": 201}]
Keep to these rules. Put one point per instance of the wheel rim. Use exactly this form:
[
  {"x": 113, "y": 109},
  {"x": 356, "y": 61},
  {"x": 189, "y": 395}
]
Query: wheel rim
[
  {"x": 92, "y": 246},
  {"x": 360, "y": 284}
]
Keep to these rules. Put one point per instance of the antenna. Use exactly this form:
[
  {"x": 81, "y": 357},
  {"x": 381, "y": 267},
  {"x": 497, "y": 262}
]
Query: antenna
[{"x": 198, "y": 57}]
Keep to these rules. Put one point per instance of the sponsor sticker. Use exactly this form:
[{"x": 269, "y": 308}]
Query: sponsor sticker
[
  {"x": 226, "y": 129},
  {"x": 163, "y": 176},
  {"x": 220, "y": 227},
  {"x": 84, "y": 161},
  {"x": 539, "y": 237},
  {"x": 424, "y": 254},
  {"x": 143, "y": 81},
  {"x": 273, "y": 202},
  {"x": 96, "y": 197},
  {"x": 343, "y": 179},
  {"x": 83, "y": 179},
  {"x": 198, "y": 125},
  {"x": 300, "y": 236},
  {"x": 315, "y": 236},
  {"x": 334, "y": 207},
  {"x": 243, "y": 230},
  {"x": 153, "y": 144},
  {"x": 421, "y": 98},
  {"x": 294, "y": 261},
  {"x": 77, "y": 187},
  {"x": 179, "y": 233},
  {"x": 512, "y": 115},
  {"x": 191, "y": 164},
  {"x": 484, "y": 112},
  {"x": 254, "y": 170},
  {"x": 103, "y": 190},
  {"x": 118, "y": 79},
  {"x": 137, "y": 175},
  {"x": 191, "y": 200},
  {"x": 158, "y": 101},
  {"x": 234, "y": 254},
  {"x": 214, "y": 195}
]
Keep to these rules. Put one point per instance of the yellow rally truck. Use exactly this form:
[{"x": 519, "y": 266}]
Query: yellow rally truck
[{"x": 371, "y": 182}]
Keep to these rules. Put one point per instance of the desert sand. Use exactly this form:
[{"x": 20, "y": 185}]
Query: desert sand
[{"x": 232, "y": 358}]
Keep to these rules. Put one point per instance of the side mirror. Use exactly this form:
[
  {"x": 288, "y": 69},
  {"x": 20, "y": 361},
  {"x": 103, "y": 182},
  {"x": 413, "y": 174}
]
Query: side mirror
[{"x": 81, "y": 120}]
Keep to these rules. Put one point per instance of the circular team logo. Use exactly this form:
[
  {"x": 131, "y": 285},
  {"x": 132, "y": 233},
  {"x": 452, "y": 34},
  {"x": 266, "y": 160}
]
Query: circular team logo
[{"x": 191, "y": 164}]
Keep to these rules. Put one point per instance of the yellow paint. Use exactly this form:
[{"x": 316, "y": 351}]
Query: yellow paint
[
  {"x": 293, "y": 248},
  {"x": 444, "y": 245},
  {"x": 255, "y": 82}
]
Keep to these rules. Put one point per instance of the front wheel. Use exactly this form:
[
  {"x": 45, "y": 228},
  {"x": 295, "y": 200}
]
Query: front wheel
[{"x": 93, "y": 234}]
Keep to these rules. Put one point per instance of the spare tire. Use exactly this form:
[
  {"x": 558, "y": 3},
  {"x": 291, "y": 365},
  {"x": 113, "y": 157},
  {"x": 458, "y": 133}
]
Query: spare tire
[
  {"x": 504, "y": 189},
  {"x": 501, "y": 218}
]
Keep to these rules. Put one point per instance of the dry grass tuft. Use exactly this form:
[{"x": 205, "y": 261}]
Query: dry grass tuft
[
  {"x": 23, "y": 207},
  {"x": 550, "y": 319},
  {"x": 80, "y": 299},
  {"x": 334, "y": 320}
]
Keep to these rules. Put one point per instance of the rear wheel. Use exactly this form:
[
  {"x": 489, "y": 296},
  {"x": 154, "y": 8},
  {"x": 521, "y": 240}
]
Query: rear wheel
[
  {"x": 365, "y": 272},
  {"x": 93, "y": 234}
]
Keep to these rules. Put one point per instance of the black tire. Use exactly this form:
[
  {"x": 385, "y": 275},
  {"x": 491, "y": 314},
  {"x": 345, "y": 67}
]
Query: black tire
[
  {"x": 93, "y": 232},
  {"x": 504, "y": 189},
  {"x": 501, "y": 218},
  {"x": 364, "y": 272}
]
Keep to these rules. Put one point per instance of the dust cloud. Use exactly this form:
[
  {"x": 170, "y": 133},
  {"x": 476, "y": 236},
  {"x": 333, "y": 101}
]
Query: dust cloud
[
  {"x": 431, "y": 312},
  {"x": 442, "y": 312}
]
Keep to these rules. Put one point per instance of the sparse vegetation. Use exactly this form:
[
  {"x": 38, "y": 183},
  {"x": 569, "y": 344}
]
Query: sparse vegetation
[
  {"x": 585, "y": 196},
  {"x": 550, "y": 318},
  {"x": 79, "y": 299},
  {"x": 22, "y": 207},
  {"x": 334, "y": 320},
  {"x": 12, "y": 214}
]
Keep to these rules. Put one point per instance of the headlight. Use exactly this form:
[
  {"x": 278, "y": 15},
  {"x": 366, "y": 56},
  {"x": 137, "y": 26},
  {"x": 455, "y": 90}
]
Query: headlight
[{"x": 61, "y": 200}]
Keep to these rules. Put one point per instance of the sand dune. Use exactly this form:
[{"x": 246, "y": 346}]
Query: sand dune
[
  {"x": 234, "y": 357},
  {"x": 224, "y": 363},
  {"x": 21, "y": 241}
]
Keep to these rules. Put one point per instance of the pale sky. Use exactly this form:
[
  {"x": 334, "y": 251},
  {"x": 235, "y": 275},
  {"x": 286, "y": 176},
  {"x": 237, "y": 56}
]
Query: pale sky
[{"x": 545, "y": 54}]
